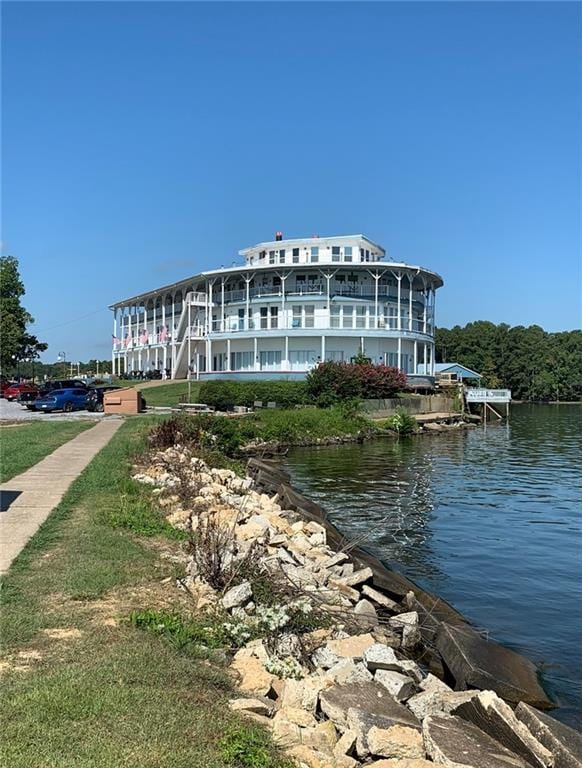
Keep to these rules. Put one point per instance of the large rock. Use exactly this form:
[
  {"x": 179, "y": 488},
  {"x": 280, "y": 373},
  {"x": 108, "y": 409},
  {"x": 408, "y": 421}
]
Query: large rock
[
  {"x": 254, "y": 678},
  {"x": 366, "y": 614},
  {"x": 256, "y": 706},
  {"x": 398, "y": 685},
  {"x": 397, "y": 741},
  {"x": 237, "y": 595},
  {"x": 380, "y": 656},
  {"x": 492, "y": 715},
  {"x": 302, "y": 694},
  {"x": 437, "y": 702},
  {"x": 565, "y": 743},
  {"x": 478, "y": 663},
  {"x": 370, "y": 698},
  {"x": 456, "y": 743},
  {"x": 346, "y": 671},
  {"x": 406, "y": 763},
  {"x": 351, "y": 647}
]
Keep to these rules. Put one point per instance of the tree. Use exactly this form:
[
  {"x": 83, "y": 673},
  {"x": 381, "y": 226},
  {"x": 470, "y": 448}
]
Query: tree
[{"x": 16, "y": 343}]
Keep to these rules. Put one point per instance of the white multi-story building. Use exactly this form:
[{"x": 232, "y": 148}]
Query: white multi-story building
[{"x": 292, "y": 304}]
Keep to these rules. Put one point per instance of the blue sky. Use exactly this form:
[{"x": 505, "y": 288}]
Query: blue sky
[{"x": 143, "y": 142}]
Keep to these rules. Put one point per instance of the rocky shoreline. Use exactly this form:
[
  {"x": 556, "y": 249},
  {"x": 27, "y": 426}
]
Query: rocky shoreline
[{"x": 347, "y": 663}]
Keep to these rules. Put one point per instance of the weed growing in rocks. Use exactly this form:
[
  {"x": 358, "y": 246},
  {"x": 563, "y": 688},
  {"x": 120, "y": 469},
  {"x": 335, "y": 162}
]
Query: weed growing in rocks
[
  {"x": 249, "y": 747},
  {"x": 195, "y": 634}
]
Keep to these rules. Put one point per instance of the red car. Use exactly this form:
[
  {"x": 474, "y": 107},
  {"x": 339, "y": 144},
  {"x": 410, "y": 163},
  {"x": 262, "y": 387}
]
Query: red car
[{"x": 13, "y": 390}]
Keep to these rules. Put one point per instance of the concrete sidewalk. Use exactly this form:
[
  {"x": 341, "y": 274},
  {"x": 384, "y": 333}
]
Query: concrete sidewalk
[{"x": 29, "y": 498}]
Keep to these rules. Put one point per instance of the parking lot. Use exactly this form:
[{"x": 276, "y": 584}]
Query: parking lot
[{"x": 16, "y": 412}]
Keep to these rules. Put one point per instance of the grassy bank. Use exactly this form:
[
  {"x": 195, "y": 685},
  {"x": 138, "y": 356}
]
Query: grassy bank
[
  {"x": 170, "y": 394},
  {"x": 24, "y": 445},
  {"x": 82, "y": 687}
]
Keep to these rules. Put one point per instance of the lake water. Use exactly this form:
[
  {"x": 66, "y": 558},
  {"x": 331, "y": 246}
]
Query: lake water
[{"x": 488, "y": 518}]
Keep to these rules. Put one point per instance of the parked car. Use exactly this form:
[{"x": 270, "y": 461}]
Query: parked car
[
  {"x": 13, "y": 391},
  {"x": 95, "y": 398},
  {"x": 4, "y": 384},
  {"x": 28, "y": 399},
  {"x": 72, "y": 399}
]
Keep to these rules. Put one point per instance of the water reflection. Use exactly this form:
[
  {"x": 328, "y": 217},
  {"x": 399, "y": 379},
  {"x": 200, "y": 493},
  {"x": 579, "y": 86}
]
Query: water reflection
[{"x": 491, "y": 520}]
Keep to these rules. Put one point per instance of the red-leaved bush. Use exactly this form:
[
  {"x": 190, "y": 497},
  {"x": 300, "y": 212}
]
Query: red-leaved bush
[{"x": 331, "y": 382}]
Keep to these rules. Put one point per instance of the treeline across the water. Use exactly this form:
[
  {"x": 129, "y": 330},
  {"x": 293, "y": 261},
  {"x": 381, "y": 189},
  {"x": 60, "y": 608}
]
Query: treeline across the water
[{"x": 534, "y": 364}]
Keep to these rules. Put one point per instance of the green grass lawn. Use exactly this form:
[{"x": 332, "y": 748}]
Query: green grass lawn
[
  {"x": 106, "y": 694},
  {"x": 23, "y": 446},
  {"x": 170, "y": 394}
]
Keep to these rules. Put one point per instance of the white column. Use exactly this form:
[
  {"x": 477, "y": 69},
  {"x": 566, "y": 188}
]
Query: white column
[
  {"x": 228, "y": 368},
  {"x": 173, "y": 335},
  {"x": 154, "y": 330},
  {"x": 209, "y": 366},
  {"x": 432, "y": 359},
  {"x": 323, "y": 349},
  {"x": 248, "y": 304},
  {"x": 113, "y": 341},
  {"x": 376, "y": 280},
  {"x": 287, "y": 364},
  {"x": 399, "y": 353},
  {"x": 433, "y": 311},
  {"x": 222, "y": 313},
  {"x": 414, "y": 370},
  {"x": 189, "y": 338},
  {"x": 399, "y": 318},
  {"x": 209, "y": 313},
  {"x": 362, "y": 345},
  {"x": 256, "y": 353},
  {"x": 410, "y": 280},
  {"x": 426, "y": 295}
]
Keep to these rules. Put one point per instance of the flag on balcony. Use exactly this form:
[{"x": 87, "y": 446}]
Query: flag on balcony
[
  {"x": 115, "y": 339},
  {"x": 163, "y": 335},
  {"x": 143, "y": 336},
  {"x": 127, "y": 339}
]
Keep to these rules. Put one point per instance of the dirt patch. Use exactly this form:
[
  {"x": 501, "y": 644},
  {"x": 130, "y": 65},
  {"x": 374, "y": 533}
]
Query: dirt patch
[
  {"x": 62, "y": 633},
  {"x": 20, "y": 662}
]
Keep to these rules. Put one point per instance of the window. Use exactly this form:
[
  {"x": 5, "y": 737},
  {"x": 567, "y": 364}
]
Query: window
[
  {"x": 264, "y": 318},
  {"x": 274, "y": 317},
  {"x": 315, "y": 253},
  {"x": 295, "y": 255},
  {"x": 334, "y": 316},
  {"x": 301, "y": 358},
  {"x": 360, "y": 317},
  {"x": 296, "y": 317},
  {"x": 219, "y": 362},
  {"x": 348, "y": 313},
  {"x": 241, "y": 361},
  {"x": 361, "y": 254},
  {"x": 241, "y": 319},
  {"x": 335, "y": 253},
  {"x": 348, "y": 253},
  {"x": 392, "y": 359},
  {"x": 271, "y": 257},
  {"x": 271, "y": 359},
  {"x": 390, "y": 316},
  {"x": 309, "y": 316},
  {"x": 282, "y": 256},
  {"x": 335, "y": 356},
  {"x": 262, "y": 255}
]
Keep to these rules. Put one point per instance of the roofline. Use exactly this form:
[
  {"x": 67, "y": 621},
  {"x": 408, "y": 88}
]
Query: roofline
[
  {"x": 466, "y": 367},
  {"x": 277, "y": 243}
]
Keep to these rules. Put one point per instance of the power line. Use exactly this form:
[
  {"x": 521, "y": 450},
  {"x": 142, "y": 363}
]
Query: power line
[{"x": 68, "y": 322}]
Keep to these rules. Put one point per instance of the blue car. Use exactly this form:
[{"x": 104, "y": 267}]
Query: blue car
[{"x": 62, "y": 400}]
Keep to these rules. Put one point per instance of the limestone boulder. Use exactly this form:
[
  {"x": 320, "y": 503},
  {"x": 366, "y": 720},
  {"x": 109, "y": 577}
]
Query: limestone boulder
[
  {"x": 323, "y": 737},
  {"x": 437, "y": 702},
  {"x": 456, "y": 743},
  {"x": 352, "y": 647},
  {"x": 398, "y": 685},
  {"x": 285, "y": 732},
  {"x": 380, "y": 656},
  {"x": 370, "y": 698},
  {"x": 348, "y": 671},
  {"x": 302, "y": 694},
  {"x": 478, "y": 663},
  {"x": 263, "y": 707},
  {"x": 237, "y": 595},
  {"x": 494, "y": 716},
  {"x": 254, "y": 678},
  {"x": 397, "y": 742},
  {"x": 380, "y": 598},
  {"x": 563, "y": 742},
  {"x": 366, "y": 614}
]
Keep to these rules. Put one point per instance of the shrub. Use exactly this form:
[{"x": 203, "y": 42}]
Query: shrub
[
  {"x": 332, "y": 382},
  {"x": 402, "y": 422},
  {"x": 224, "y": 395}
]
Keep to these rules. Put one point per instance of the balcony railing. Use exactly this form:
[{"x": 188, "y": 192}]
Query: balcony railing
[
  {"x": 232, "y": 325},
  {"x": 319, "y": 289}
]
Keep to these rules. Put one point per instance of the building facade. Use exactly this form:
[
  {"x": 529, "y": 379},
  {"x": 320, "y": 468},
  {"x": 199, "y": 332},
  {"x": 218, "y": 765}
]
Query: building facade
[{"x": 289, "y": 306}]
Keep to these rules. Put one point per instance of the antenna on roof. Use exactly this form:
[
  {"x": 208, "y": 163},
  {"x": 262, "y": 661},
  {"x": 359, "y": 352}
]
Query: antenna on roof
[{"x": 278, "y": 236}]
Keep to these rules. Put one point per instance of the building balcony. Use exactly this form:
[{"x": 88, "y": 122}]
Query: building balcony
[{"x": 366, "y": 291}]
